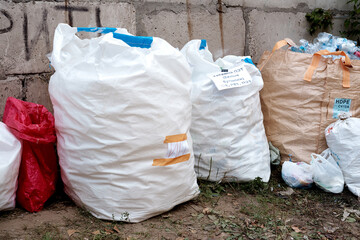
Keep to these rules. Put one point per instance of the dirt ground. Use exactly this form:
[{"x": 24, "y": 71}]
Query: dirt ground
[{"x": 223, "y": 211}]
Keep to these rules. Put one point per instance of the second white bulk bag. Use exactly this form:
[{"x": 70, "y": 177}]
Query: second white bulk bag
[
  {"x": 227, "y": 125},
  {"x": 343, "y": 139},
  {"x": 10, "y": 158},
  {"x": 122, "y": 115}
]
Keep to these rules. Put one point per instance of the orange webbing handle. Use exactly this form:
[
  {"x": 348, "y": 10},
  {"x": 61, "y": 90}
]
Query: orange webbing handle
[
  {"x": 282, "y": 43},
  {"x": 277, "y": 46},
  {"x": 316, "y": 60}
]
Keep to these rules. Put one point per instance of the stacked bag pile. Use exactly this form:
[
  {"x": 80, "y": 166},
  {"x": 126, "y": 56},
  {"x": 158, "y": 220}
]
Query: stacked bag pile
[
  {"x": 125, "y": 110},
  {"x": 28, "y": 162},
  {"x": 137, "y": 121},
  {"x": 303, "y": 99}
]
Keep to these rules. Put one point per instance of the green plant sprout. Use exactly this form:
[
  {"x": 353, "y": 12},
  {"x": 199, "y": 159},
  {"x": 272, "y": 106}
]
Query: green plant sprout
[{"x": 319, "y": 19}]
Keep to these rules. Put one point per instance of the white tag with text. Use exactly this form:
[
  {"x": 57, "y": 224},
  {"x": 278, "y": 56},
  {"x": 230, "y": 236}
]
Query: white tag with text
[
  {"x": 177, "y": 149},
  {"x": 234, "y": 77}
]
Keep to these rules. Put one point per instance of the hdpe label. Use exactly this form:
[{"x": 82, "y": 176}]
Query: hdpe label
[
  {"x": 234, "y": 77},
  {"x": 341, "y": 105}
]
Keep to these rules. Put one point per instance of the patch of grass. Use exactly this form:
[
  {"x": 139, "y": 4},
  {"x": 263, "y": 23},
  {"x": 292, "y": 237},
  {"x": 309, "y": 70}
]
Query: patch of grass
[
  {"x": 263, "y": 218},
  {"x": 50, "y": 236},
  {"x": 210, "y": 190},
  {"x": 5, "y": 236},
  {"x": 228, "y": 225},
  {"x": 87, "y": 224},
  {"x": 213, "y": 190},
  {"x": 84, "y": 212},
  {"x": 270, "y": 215},
  {"x": 104, "y": 236},
  {"x": 47, "y": 231},
  {"x": 143, "y": 235},
  {"x": 257, "y": 186}
]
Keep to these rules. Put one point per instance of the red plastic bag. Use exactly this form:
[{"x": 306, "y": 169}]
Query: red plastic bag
[{"x": 34, "y": 125}]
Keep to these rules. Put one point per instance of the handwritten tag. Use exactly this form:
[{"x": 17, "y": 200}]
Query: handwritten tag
[{"x": 233, "y": 78}]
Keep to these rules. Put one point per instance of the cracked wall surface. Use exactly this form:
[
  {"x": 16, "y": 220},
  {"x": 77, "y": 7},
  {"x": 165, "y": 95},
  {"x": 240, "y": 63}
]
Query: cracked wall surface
[{"x": 237, "y": 27}]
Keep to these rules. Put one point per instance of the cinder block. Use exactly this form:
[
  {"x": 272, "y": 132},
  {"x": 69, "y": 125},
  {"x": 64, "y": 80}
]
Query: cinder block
[
  {"x": 25, "y": 45},
  {"x": 121, "y": 15},
  {"x": 97, "y": 13},
  {"x": 331, "y": 4},
  {"x": 2, "y": 73},
  {"x": 192, "y": 2},
  {"x": 290, "y": 4},
  {"x": 27, "y": 29},
  {"x": 338, "y": 26},
  {"x": 265, "y": 29},
  {"x": 224, "y": 32},
  {"x": 37, "y": 90},
  {"x": 11, "y": 87}
]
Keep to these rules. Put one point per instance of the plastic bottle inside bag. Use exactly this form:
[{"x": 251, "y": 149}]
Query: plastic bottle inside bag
[{"x": 326, "y": 41}]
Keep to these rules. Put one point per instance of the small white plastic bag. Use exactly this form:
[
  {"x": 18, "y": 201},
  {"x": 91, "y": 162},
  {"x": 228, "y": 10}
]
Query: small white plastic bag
[
  {"x": 297, "y": 175},
  {"x": 327, "y": 174}
]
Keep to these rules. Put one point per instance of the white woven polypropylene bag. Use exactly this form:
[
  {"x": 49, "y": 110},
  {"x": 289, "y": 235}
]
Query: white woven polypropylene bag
[
  {"x": 122, "y": 116},
  {"x": 343, "y": 139},
  {"x": 227, "y": 126},
  {"x": 10, "y": 158}
]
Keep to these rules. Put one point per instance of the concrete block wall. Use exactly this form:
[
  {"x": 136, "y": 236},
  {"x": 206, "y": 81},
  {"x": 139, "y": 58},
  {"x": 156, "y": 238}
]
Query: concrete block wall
[{"x": 238, "y": 27}]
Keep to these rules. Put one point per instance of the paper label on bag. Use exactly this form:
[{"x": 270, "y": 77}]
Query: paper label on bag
[
  {"x": 341, "y": 105},
  {"x": 177, "y": 149},
  {"x": 233, "y": 78}
]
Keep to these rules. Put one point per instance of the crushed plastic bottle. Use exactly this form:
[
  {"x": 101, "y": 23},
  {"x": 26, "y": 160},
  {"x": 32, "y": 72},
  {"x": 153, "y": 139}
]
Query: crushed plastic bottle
[{"x": 331, "y": 43}]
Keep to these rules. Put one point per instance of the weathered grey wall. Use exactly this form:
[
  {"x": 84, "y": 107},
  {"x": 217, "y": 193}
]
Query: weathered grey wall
[{"x": 239, "y": 27}]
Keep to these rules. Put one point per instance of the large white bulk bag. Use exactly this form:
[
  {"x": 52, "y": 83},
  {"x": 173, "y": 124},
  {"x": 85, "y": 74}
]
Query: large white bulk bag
[
  {"x": 122, "y": 115},
  {"x": 343, "y": 139},
  {"x": 227, "y": 125},
  {"x": 10, "y": 158}
]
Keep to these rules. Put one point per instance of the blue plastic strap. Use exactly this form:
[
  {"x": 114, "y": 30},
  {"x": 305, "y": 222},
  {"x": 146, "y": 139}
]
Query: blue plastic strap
[
  {"x": 134, "y": 41},
  {"x": 103, "y": 30},
  {"x": 202, "y": 44},
  {"x": 248, "y": 60}
]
